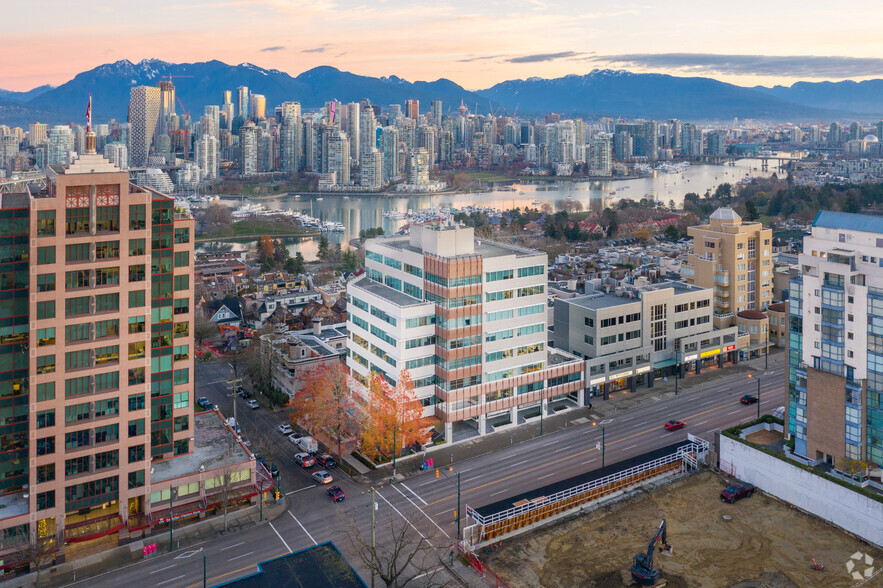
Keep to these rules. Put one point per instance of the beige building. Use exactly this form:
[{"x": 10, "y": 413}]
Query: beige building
[
  {"x": 778, "y": 316},
  {"x": 735, "y": 259}
]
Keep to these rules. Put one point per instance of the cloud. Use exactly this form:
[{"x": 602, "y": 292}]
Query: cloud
[
  {"x": 794, "y": 66},
  {"x": 315, "y": 49},
  {"x": 540, "y": 57},
  {"x": 478, "y": 58},
  {"x": 274, "y": 48}
]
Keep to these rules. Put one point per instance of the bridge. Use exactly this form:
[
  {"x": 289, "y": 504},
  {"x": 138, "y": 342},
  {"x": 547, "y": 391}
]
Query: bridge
[{"x": 20, "y": 182}]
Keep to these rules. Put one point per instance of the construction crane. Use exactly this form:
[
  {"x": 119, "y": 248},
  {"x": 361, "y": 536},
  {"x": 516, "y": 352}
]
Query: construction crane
[{"x": 642, "y": 570}]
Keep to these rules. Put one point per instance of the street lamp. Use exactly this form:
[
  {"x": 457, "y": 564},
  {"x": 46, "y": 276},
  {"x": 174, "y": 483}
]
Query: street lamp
[
  {"x": 373, "y": 548},
  {"x": 542, "y": 410},
  {"x": 758, "y": 394},
  {"x": 677, "y": 369},
  {"x": 173, "y": 494},
  {"x": 451, "y": 469},
  {"x": 603, "y": 443},
  {"x": 202, "y": 549},
  {"x": 394, "y": 452}
]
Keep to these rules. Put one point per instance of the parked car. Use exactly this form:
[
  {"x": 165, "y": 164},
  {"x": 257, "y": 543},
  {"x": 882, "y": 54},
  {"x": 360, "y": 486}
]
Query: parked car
[
  {"x": 293, "y": 441},
  {"x": 734, "y": 492},
  {"x": 284, "y": 428},
  {"x": 322, "y": 477},
  {"x": 294, "y": 437},
  {"x": 336, "y": 494},
  {"x": 326, "y": 461},
  {"x": 252, "y": 404},
  {"x": 204, "y": 404},
  {"x": 304, "y": 460},
  {"x": 674, "y": 425},
  {"x": 748, "y": 399},
  {"x": 779, "y": 412},
  {"x": 274, "y": 470},
  {"x": 309, "y": 445}
]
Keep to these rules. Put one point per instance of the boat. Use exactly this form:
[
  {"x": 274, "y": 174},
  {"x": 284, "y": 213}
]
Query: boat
[
  {"x": 535, "y": 203},
  {"x": 394, "y": 214}
]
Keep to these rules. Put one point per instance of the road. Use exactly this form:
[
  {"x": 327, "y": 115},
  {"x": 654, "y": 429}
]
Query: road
[{"x": 424, "y": 501}]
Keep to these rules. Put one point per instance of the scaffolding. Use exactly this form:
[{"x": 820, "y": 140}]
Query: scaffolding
[{"x": 481, "y": 529}]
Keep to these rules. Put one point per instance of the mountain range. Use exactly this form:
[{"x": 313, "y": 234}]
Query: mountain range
[{"x": 613, "y": 93}]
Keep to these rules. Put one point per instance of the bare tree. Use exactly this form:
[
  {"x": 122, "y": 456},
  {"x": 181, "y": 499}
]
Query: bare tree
[
  {"x": 404, "y": 558},
  {"x": 37, "y": 548}
]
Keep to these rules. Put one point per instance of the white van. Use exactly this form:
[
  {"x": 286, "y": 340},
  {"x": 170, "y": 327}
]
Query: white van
[{"x": 308, "y": 444}]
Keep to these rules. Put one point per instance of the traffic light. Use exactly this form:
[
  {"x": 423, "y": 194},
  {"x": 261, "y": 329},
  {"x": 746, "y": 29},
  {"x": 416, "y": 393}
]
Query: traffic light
[
  {"x": 437, "y": 475},
  {"x": 277, "y": 496},
  {"x": 455, "y": 514}
]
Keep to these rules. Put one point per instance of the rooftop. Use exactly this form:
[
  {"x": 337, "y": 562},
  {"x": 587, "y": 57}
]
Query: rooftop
[
  {"x": 383, "y": 291},
  {"x": 849, "y": 221},
  {"x": 321, "y": 566},
  {"x": 725, "y": 214},
  {"x": 214, "y": 446},
  {"x": 483, "y": 247}
]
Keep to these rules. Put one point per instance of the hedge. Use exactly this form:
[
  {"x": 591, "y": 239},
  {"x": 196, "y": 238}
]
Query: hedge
[{"x": 733, "y": 433}]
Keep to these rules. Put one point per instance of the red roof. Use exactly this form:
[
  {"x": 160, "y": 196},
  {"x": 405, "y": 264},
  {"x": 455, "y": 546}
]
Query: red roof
[{"x": 751, "y": 314}]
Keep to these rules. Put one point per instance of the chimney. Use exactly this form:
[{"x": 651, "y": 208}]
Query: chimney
[{"x": 317, "y": 326}]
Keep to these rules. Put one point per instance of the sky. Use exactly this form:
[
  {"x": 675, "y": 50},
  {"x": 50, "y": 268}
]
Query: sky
[{"x": 474, "y": 43}]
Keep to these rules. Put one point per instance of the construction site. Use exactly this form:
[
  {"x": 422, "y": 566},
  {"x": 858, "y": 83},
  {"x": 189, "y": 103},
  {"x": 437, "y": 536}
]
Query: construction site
[{"x": 756, "y": 542}]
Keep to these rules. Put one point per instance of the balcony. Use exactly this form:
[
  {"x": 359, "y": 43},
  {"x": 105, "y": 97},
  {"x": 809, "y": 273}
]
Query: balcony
[{"x": 721, "y": 292}]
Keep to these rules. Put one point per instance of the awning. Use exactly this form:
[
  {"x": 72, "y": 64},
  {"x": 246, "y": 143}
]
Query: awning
[
  {"x": 664, "y": 364},
  {"x": 182, "y": 511},
  {"x": 233, "y": 497},
  {"x": 82, "y": 531}
]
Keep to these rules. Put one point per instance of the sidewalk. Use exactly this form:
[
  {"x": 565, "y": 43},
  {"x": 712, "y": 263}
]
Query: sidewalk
[
  {"x": 446, "y": 454},
  {"x": 189, "y": 535}
]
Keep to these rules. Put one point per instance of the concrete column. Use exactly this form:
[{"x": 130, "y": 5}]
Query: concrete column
[
  {"x": 651, "y": 377},
  {"x": 449, "y": 432},
  {"x": 720, "y": 360},
  {"x": 680, "y": 368},
  {"x": 581, "y": 398},
  {"x": 633, "y": 383},
  {"x": 513, "y": 415},
  {"x": 482, "y": 424},
  {"x": 544, "y": 404},
  {"x": 736, "y": 357},
  {"x": 698, "y": 366},
  {"x": 606, "y": 389}
]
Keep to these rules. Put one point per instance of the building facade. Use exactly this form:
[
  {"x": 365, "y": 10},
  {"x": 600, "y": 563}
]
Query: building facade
[
  {"x": 467, "y": 318},
  {"x": 734, "y": 258},
  {"x": 144, "y": 110},
  {"x": 835, "y": 375}
]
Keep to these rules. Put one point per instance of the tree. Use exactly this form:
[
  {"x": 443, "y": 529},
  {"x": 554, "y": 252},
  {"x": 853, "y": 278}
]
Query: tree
[
  {"x": 671, "y": 232},
  {"x": 751, "y": 210},
  {"x": 350, "y": 261},
  {"x": 266, "y": 248},
  {"x": 299, "y": 264},
  {"x": 643, "y": 235},
  {"x": 326, "y": 405},
  {"x": 851, "y": 204},
  {"x": 609, "y": 221},
  {"x": 394, "y": 417},
  {"x": 854, "y": 468},
  {"x": 37, "y": 546},
  {"x": 324, "y": 251},
  {"x": 203, "y": 328},
  {"x": 407, "y": 558}
]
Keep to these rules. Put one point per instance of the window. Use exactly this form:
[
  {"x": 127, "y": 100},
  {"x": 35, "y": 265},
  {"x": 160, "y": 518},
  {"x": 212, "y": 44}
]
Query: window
[
  {"x": 136, "y": 402},
  {"x": 136, "y": 247},
  {"x": 45, "y": 364},
  {"x": 182, "y": 258},
  {"x": 394, "y": 283},
  {"x": 499, "y": 275},
  {"x": 107, "y": 276},
  {"x": 46, "y": 391},
  {"x": 137, "y": 216},
  {"x": 107, "y": 250},
  {"x": 590, "y": 322},
  {"x": 392, "y": 262},
  {"x": 78, "y": 279},
  {"x": 46, "y": 473},
  {"x": 182, "y": 400},
  {"x": 76, "y": 306},
  {"x": 495, "y": 296},
  {"x": 107, "y": 433},
  {"x": 46, "y": 283},
  {"x": 76, "y": 439},
  {"x": 413, "y": 270},
  {"x": 45, "y": 337},
  {"x": 45, "y": 223},
  {"x": 181, "y": 352},
  {"x": 136, "y": 299},
  {"x": 182, "y": 423},
  {"x": 137, "y": 273},
  {"x": 182, "y": 305},
  {"x": 529, "y": 310},
  {"x": 77, "y": 386},
  {"x": 78, "y": 221},
  {"x": 182, "y": 447},
  {"x": 78, "y": 252},
  {"x": 108, "y": 354},
  {"x": 136, "y": 428},
  {"x": 136, "y": 479},
  {"x": 107, "y": 302},
  {"x": 77, "y": 332},
  {"x": 531, "y": 330},
  {"x": 46, "y": 500},
  {"x": 182, "y": 235},
  {"x": 535, "y": 270},
  {"x": 136, "y": 453},
  {"x": 46, "y": 446},
  {"x": 108, "y": 407},
  {"x": 77, "y": 359},
  {"x": 182, "y": 282},
  {"x": 531, "y": 290},
  {"x": 109, "y": 328},
  {"x": 107, "y": 459},
  {"x": 45, "y": 418},
  {"x": 182, "y": 376},
  {"x": 107, "y": 218},
  {"x": 137, "y": 349},
  {"x": 45, "y": 255}
]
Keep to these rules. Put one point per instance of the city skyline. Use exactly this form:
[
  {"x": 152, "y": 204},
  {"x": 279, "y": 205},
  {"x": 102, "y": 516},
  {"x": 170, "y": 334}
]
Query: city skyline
[{"x": 473, "y": 45}]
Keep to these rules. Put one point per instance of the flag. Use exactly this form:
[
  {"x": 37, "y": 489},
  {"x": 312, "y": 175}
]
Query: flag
[{"x": 89, "y": 115}]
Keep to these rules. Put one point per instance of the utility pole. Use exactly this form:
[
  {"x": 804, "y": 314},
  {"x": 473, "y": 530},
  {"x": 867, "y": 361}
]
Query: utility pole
[
  {"x": 202, "y": 549},
  {"x": 758, "y": 397},
  {"x": 173, "y": 492},
  {"x": 603, "y": 445},
  {"x": 542, "y": 410},
  {"x": 451, "y": 469},
  {"x": 677, "y": 368},
  {"x": 394, "y": 428},
  {"x": 234, "y": 384},
  {"x": 373, "y": 548}
]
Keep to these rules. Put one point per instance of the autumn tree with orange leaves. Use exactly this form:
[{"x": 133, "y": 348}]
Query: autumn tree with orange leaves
[
  {"x": 325, "y": 404},
  {"x": 393, "y": 416}
]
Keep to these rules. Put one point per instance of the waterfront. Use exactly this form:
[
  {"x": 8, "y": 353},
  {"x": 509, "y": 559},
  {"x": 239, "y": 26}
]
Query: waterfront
[{"x": 364, "y": 212}]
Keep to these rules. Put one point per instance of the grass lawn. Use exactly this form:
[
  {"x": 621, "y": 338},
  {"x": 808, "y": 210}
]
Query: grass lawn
[
  {"x": 487, "y": 176},
  {"x": 247, "y": 228}
]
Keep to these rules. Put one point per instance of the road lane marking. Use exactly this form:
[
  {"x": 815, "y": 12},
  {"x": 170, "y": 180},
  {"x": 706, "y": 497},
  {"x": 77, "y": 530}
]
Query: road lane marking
[
  {"x": 162, "y": 569},
  {"x": 500, "y": 492},
  {"x": 211, "y": 581},
  {"x": 427, "y": 573},
  {"x": 405, "y": 518},
  {"x": 243, "y": 555},
  {"x": 280, "y": 537},
  {"x": 579, "y": 453},
  {"x": 548, "y": 443},
  {"x": 414, "y": 493},
  {"x": 560, "y": 450},
  {"x": 232, "y": 546},
  {"x": 414, "y": 504},
  {"x": 546, "y": 476},
  {"x": 300, "y": 490},
  {"x": 302, "y": 527},
  {"x": 172, "y": 580}
]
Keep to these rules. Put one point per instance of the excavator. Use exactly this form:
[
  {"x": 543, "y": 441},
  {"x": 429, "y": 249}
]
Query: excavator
[{"x": 642, "y": 570}]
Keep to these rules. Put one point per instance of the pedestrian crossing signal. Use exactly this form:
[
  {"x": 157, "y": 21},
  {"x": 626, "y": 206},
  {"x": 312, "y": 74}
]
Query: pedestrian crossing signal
[{"x": 437, "y": 475}]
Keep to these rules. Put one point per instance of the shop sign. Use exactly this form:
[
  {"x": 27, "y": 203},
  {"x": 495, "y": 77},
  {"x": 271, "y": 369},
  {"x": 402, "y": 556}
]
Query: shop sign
[
  {"x": 730, "y": 348},
  {"x": 621, "y": 375},
  {"x": 597, "y": 381},
  {"x": 711, "y": 352},
  {"x": 642, "y": 370},
  {"x": 691, "y": 357}
]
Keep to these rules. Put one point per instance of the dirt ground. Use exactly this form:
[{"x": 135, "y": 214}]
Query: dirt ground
[
  {"x": 764, "y": 544},
  {"x": 763, "y": 437}
]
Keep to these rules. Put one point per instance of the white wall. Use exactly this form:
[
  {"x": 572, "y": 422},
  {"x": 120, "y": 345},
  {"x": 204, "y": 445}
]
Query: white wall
[{"x": 850, "y": 510}]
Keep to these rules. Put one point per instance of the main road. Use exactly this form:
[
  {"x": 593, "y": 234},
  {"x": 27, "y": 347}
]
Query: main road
[{"x": 428, "y": 503}]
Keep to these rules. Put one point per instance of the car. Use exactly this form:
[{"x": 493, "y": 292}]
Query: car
[
  {"x": 294, "y": 437},
  {"x": 304, "y": 460},
  {"x": 244, "y": 393},
  {"x": 284, "y": 428},
  {"x": 748, "y": 399},
  {"x": 326, "y": 461},
  {"x": 204, "y": 404},
  {"x": 322, "y": 477},
  {"x": 336, "y": 494},
  {"x": 674, "y": 425},
  {"x": 252, "y": 404},
  {"x": 734, "y": 492},
  {"x": 274, "y": 470}
]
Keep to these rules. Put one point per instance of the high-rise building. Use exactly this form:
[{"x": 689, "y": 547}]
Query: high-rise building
[
  {"x": 290, "y": 139},
  {"x": 855, "y": 131},
  {"x": 395, "y": 113},
  {"x": 339, "y": 157},
  {"x": 61, "y": 143},
  {"x": 435, "y": 112},
  {"x": 207, "y": 157},
  {"x": 717, "y": 142},
  {"x": 734, "y": 257},
  {"x": 835, "y": 134},
  {"x": 37, "y": 134},
  {"x": 389, "y": 146},
  {"x": 249, "y": 147},
  {"x": 117, "y": 154},
  {"x": 212, "y": 119},
  {"x": 371, "y": 170},
  {"x": 418, "y": 167},
  {"x": 691, "y": 140},
  {"x": 467, "y": 318},
  {"x": 426, "y": 140},
  {"x": 144, "y": 107},
  {"x": 257, "y": 107},
  {"x": 412, "y": 109},
  {"x": 351, "y": 124},
  {"x": 242, "y": 100},
  {"x": 99, "y": 385},
  {"x": 835, "y": 359},
  {"x": 367, "y": 131},
  {"x": 622, "y": 145},
  {"x": 166, "y": 107},
  {"x": 9, "y": 147},
  {"x": 600, "y": 163}
]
